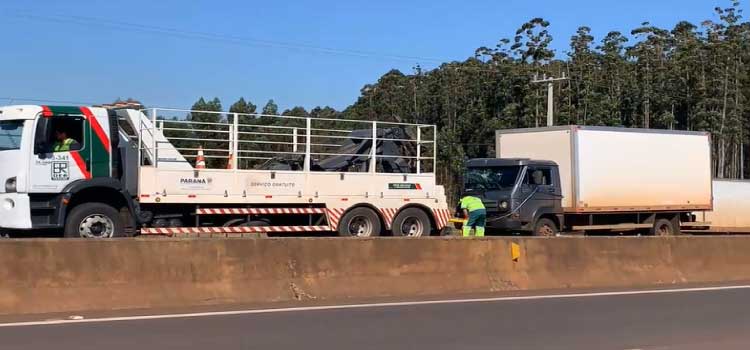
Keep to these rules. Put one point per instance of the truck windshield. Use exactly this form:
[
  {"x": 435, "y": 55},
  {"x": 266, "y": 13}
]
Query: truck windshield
[
  {"x": 10, "y": 134},
  {"x": 493, "y": 178}
]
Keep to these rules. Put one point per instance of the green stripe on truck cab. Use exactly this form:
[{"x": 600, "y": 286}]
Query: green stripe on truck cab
[{"x": 94, "y": 152}]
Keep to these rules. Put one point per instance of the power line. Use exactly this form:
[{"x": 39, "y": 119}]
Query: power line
[
  {"x": 12, "y": 100},
  {"x": 550, "y": 81},
  {"x": 205, "y": 36}
]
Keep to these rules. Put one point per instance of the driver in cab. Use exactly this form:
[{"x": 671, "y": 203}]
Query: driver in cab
[{"x": 63, "y": 143}]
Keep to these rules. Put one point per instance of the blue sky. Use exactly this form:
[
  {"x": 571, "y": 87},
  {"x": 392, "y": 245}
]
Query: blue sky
[{"x": 96, "y": 51}]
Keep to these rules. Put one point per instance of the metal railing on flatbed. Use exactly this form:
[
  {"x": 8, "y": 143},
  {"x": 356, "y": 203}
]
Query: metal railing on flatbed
[{"x": 242, "y": 141}]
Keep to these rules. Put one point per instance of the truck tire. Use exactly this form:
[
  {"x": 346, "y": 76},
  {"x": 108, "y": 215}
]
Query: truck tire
[
  {"x": 412, "y": 222},
  {"x": 359, "y": 222},
  {"x": 251, "y": 223},
  {"x": 245, "y": 223},
  {"x": 94, "y": 220},
  {"x": 545, "y": 228},
  {"x": 664, "y": 227},
  {"x": 447, "y": 231}
]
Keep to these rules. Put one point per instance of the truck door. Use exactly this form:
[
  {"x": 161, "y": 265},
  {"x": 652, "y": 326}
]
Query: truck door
[
  {"x": 52, "y": 169},
  {"x": 539, "y": 183}
]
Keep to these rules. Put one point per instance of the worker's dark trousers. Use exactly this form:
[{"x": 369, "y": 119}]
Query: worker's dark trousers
[{"x": 477, "y": 220}]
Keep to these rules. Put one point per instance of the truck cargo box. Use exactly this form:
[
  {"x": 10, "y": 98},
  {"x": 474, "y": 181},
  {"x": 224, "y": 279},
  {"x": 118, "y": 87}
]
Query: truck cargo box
[
  {"x": 605, "y": 169},
  {"x": 731, "y": 207}
]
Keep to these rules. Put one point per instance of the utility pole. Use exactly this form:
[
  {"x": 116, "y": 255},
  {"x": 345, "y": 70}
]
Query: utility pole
[{"x": 550, "y": 94}]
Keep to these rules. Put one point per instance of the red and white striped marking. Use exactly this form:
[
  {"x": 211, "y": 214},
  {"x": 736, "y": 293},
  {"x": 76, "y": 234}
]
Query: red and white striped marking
[
  {"x": 200, "y": 160},
  {"x": 258, "y": 211},
  {"x": 441, "y": 217},
  {"x": 169, "y": 231},
  {"x": 334, "y": 216},
  {"x": 388, "y": 215}
]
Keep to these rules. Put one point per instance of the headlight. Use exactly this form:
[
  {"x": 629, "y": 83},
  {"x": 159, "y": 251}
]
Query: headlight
[
  {"x": 503, "y": 205},
  {"x": 9, "y": 204},
  {"x": 10, "y": 185}
]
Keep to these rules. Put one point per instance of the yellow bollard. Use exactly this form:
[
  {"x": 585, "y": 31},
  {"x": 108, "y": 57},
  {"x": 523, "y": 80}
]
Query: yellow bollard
[{"x": 515, "y": 251}]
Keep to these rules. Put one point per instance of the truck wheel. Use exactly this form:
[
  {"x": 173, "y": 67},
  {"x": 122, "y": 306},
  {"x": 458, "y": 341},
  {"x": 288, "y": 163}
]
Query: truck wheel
[
  {"x": 245, "y": 223},
  {"x": 664, "y": 227},
  {"x": 545, "y": 228},
  {"x": 251, "y": 223},
  {"x": 94, "y": 220},
  {"x": 360, "y": 222},
  {"x": 412, "y": 222},
  {"x": 447, "y": 231}
]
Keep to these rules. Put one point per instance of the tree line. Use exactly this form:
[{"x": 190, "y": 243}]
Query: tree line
[{"x": 690, "y": 77}]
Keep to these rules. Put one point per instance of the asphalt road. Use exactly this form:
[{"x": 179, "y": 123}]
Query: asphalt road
[{"x": 718, "y": 319}]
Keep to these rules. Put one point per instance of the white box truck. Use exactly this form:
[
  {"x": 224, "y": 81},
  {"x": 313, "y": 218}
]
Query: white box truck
[
  {"x": 120, "y": 171},
  {"x": 584, "y": 179},
  {"x": 731, "y": 206}
]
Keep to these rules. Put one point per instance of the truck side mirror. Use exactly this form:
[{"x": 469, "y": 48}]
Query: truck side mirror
[{"x": 42, "y": 136}]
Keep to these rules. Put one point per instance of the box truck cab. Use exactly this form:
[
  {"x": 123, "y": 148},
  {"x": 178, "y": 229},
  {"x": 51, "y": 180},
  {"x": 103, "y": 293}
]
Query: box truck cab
[
  {"x": 519, "y": 194},
  {"x": 594, "y": 179}
]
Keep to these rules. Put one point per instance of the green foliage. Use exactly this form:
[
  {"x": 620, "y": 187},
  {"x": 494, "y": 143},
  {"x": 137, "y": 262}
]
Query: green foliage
[
  {"x": 207, "y": 131},
  {"x": 242, "y": 107},
  {"x": 271, "y": 108},
  {"x": 687, "y": 78}
]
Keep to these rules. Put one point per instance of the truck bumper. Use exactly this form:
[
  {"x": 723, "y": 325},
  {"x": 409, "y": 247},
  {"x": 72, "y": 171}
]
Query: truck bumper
[
  {"x": 505, "y": 224},
  {"x": 15, "y": 211}
]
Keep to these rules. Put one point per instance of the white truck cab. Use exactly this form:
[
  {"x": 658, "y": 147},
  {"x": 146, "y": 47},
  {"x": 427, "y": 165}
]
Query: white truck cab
[
  {"x": 40, "y": 178},
  {"x": 16, "y": 132}
]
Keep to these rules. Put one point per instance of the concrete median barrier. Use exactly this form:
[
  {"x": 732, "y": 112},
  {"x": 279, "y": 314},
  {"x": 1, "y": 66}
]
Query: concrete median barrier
[{"x": 41, "y": 276}]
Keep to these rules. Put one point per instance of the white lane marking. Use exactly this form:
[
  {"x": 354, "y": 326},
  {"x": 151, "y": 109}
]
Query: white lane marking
[{"x": 372, "y": 305}]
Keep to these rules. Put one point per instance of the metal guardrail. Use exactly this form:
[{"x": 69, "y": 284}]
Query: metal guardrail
[{"x": 248, "y": 140}]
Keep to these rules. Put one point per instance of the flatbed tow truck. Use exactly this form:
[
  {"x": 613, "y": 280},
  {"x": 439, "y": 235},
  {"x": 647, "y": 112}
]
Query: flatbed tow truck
[{"x": 171, "y": 172}]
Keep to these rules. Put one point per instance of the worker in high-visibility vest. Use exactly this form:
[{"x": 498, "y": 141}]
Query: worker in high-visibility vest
[
  {"x": 475, "y": 215},
  {"x": 63, "y": 143}
]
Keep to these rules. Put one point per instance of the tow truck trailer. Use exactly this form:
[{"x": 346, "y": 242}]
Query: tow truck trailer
[{"x": 196, "y": 173}]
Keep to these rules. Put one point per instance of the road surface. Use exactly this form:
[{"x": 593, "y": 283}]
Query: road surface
[{"x": 696, "y": 319}]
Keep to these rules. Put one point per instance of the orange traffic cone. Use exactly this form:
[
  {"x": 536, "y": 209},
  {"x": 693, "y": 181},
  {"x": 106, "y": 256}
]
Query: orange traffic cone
[
  {"x": 230, "y": 160},
  {"x": 200, "y": 160}
]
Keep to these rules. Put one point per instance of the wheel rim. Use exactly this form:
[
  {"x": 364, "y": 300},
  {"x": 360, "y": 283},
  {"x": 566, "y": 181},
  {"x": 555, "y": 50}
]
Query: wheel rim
[
  {"x": 361, "y": 226},
  {"x": 96, "y": 226},
  {"x": 663, "y": 230},
  {"x": 546, "y": 230},
  {"x": 412, "y": 227}
]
